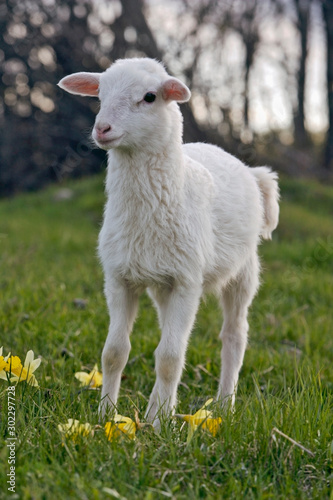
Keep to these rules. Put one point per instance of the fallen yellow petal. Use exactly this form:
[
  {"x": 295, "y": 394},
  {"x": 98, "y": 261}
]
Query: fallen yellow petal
[
  {"x": 73, "y": 429},
  {"x": 121, "y": 425},
  {"x": 201, "y": 418},
  {"x": 212, "y": 425},
  {"x": 92, "y": 379}
]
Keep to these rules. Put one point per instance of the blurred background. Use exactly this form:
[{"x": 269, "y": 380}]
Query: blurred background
[{"x": 260, "y": 71}]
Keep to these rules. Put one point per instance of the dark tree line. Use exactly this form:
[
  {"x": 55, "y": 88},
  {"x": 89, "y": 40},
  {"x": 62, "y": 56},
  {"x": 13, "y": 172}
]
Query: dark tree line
[
  {"x": 45, "y": 133},
  {"x": 40, "y": 130}
]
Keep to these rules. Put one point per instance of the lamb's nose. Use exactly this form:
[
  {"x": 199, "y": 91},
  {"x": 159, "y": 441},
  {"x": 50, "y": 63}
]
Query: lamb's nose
[{"x": 102, "y": 128}]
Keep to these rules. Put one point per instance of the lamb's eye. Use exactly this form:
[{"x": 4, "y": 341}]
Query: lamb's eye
[{"x": 149, "y": 97}]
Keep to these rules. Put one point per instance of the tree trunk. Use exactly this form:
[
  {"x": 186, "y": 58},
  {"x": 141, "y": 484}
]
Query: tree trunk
[
  {"x": 132, "y": 15},
  {"x": 328, "y": 18},
  {"x": 302, "y": 9},
  {"x": 250, "y": 50}
]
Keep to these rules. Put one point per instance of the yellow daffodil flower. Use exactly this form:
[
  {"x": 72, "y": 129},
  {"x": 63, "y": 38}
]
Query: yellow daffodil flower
[
  {"x": 26, "y": 371},
  {"x": 202, "y": 418},
  {"x": 73, "y": 429},
  {"x": 92, "y": 379},
  {"x": 119, "y": 426}
]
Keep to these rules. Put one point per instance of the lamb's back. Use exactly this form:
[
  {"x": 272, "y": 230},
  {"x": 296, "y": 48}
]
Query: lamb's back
[
  {"x": 234, "y": 183},
  {"x": 237, "y": 206},
  {"x": 227, "y": 170}
]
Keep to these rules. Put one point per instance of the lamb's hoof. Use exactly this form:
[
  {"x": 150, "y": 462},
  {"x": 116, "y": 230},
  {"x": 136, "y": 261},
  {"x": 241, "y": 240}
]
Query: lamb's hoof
[
  {"x": 157, "y": 425},
  {"x": 152, "y": 417},
  {"x": 106, "y": 410},
  {"x": 227, "y": 404}
]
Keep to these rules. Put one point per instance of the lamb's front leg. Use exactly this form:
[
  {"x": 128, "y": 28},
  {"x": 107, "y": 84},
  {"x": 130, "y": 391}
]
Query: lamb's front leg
[
  {"x": 122, "y": 304},
  {"x": 177, "y": 311}
]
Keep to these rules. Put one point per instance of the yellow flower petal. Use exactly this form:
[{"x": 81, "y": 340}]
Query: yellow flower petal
[
  {"x": 207, "y": 403},
  {"x": 198, "y": 417},
  {"x": 98, "y": 379},
  {"x": 29, "y": 358},
  {"x": 121, "y": 425},
  {"x": 3, "y": 363},
  {"x": 92, "y": 379},
  {"x": 31, "y": 363},
  {"x": 14, "y": 365},
  {"x": 201, "y": 418},
  {"x": 31, "y": 379},
  {"x": 73, "y": 429},
  {"x": 83, "y": 377},
  {"x": 212, "y": 425}
]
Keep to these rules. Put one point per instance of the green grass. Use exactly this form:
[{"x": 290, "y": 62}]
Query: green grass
[{"x": 48, "y": 259}]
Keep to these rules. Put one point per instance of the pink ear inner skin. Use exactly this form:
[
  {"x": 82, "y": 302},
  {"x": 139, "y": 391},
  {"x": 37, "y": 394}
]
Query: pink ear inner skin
[
  {"x": 173, "y": 90},
  {"x": 82, "y": 85}
]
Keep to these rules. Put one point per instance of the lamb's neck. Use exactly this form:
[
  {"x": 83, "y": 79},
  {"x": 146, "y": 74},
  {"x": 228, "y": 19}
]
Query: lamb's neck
[{"x": 148, "y": 175}]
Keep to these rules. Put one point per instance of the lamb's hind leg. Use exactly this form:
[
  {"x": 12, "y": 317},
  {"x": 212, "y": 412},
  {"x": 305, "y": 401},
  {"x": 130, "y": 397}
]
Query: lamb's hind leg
[{"x": 236, "y": 299}]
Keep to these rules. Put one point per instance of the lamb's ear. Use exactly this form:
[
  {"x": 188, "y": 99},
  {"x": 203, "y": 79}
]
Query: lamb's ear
[
  {"x": 81, "y": 83},
  {"x": 175, "y": 90}
]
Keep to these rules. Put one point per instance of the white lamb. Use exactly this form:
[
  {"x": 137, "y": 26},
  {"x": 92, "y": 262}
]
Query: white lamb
[{"x": 180, "y": 220}]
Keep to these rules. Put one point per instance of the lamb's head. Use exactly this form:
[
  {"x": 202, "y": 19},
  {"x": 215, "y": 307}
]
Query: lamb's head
[{"x": 138, "y": 103}]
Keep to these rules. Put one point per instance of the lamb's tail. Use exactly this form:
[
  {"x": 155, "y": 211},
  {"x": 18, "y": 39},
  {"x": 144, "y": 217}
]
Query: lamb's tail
[{"x": 268, "y": 185}]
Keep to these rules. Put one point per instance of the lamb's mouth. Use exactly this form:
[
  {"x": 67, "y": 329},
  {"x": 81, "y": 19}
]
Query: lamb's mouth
[{"x": 108, "y": 143}]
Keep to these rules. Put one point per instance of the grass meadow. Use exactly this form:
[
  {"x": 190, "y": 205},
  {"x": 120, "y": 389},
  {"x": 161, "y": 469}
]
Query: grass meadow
[{"x": 48, "y": 260}]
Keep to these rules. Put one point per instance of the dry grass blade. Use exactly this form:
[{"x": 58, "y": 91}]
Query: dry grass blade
[{"x": 292, "y": 441}]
